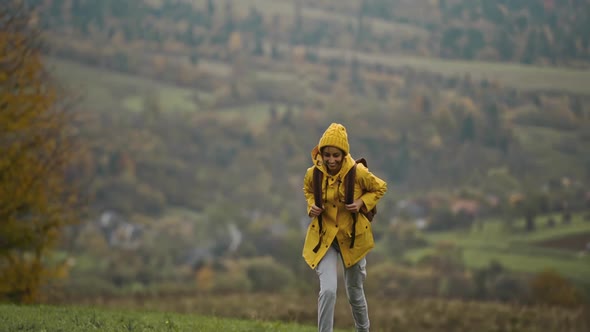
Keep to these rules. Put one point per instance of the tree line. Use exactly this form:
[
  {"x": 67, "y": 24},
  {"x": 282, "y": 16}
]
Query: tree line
[{"x": 527, "y": 31}]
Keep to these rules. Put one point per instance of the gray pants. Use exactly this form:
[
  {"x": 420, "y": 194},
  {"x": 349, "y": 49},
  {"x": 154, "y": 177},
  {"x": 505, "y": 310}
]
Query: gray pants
[{"x": 354, "y": 277}]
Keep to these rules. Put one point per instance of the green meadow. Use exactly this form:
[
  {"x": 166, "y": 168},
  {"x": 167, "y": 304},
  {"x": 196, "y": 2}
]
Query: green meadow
[
  {"x": 81, "y": 319},
  {"x": 106, "y": 89},
  {"x": 103, "y": 89},
  {"x": 114, "y": 90},
  {"x": 520, "y": 76},
  {"x": 519, "y": 250},
  {"x": 515, "y": 250},
  {"x": 387, "y": 315}
]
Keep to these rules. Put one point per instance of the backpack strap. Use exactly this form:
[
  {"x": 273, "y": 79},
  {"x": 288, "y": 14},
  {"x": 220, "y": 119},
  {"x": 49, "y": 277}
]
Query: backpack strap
[
  {"x": 349, "y": 181},
  {"x": 317, "y": 196},
  {"x": 370, "y": 214},
  {"x": 362, "y": 161},
  {"x": 349, "y": 197}
]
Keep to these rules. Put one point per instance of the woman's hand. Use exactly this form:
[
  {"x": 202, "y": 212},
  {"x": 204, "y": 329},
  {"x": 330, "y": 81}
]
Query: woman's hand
[
  {"x": 356, "y": 206},
  {"x": 315, "y": 211}
]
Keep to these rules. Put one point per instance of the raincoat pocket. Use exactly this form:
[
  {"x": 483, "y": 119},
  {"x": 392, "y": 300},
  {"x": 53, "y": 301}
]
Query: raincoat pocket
[{"x": 362, "y": 226}]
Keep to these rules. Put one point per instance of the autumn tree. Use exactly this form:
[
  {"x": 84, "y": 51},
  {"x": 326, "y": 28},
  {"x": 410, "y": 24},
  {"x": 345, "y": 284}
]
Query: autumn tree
[
  {"x": 35, "y": 152},
  {"x": 550, "y": 288}
]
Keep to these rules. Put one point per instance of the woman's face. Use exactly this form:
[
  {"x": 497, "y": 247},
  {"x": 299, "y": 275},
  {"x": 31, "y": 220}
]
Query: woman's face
[{"x": 332, "y": 157}]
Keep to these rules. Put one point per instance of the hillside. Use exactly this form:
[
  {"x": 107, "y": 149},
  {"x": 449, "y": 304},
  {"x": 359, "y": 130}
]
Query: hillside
[
  {"x": 523, "y": 31},
  {"x": 140, "y": 172},
  {"x": 199, "y": 117}
]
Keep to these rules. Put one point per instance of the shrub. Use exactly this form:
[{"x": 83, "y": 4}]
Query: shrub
[
  {"x": 382, "y": 280},
  {"x": 267, "y": 275},
  {"x": 232, "y": 282},
  {"x": 388, "y": 280},
  {"x": 442, "y": 219},
  {"x": 549, "y": 287},
  {"x": 89, "y": 286},
  {"x": 402, "y": 237},
  {"x": 455, "y": 286},
  {"x": 509, "y": 288}
]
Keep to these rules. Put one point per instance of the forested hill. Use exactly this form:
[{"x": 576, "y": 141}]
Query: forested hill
[
  {"x": 197, "y": 120},
  {"x": 528, "y": 31},
  {"x": 264, "y": 62},
  {"x": 545, "y": 32}
]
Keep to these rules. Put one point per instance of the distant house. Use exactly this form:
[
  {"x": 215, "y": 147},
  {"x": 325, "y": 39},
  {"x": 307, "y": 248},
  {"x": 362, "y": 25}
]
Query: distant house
[
  {"x": 548, "y": 5},
  {"x": 493, "y": 201},
  {"x": 204, "y": 253},
  {"x": 421, "y": 223},
  {"x": 465, "y": 206},
  {"x": 412, "y": 209},
  {"x": 118, "y": 232}
]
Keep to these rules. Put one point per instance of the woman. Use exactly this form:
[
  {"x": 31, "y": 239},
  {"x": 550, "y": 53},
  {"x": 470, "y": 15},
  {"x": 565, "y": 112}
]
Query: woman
[{"x": 330, "y": 234}]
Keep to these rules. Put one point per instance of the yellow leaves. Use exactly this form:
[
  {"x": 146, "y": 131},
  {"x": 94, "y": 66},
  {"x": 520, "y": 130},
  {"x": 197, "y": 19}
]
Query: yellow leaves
[
  {"x": 159, "y": 63},
  {"x": 515, "y": 199},
  {"x": 204, "y": 278},
  {"x": 299, "y": 54},
  {"x": 62, "y": 270},
  {"x": 235, "y": 42},
  {"x": 25, "y": 270},
  {"x": 34, "y": 193},
  {"x": 550, "y": 288},
  {"x": 118, "y": 38},
  {"x": 467, "y": 105},
  {"x": 435, "y": 141},
  {"x": 173, "y": 46}
]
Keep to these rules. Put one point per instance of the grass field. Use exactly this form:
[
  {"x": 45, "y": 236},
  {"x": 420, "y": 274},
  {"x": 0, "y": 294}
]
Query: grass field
[
  {"x": 279, "y": 312},
  {"x": 81, "y": 319},
  {"x": 286, "y": 10},
  {"x": 525, "y": 77},
  {"x": 518, "y": 250},
  {"x": 107, "y": 89},
  {"x": 101, "y": 88}
]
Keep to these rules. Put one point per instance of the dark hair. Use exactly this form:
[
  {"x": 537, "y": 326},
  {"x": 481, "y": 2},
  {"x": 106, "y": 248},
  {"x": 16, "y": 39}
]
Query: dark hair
[{"x": 343, "y": 152}]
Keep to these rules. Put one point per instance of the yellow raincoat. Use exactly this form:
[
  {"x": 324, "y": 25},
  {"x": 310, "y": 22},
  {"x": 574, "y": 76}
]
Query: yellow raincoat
[{"x": 336, "y": 220}]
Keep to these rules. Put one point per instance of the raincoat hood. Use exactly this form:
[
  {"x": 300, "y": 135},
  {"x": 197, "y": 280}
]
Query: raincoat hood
[{"x": 347, "y": 162}]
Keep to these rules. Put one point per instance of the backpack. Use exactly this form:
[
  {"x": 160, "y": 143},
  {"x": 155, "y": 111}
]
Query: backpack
[{"x": 349, "y": 180}]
